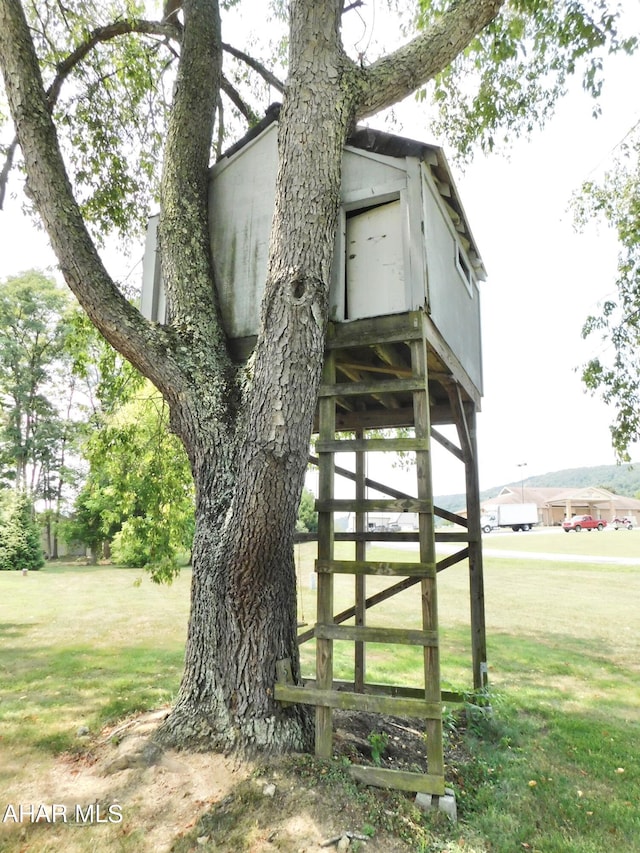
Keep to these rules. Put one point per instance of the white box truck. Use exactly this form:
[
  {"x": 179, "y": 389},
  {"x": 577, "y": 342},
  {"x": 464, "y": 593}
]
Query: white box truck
[{"x": 515, "y": 516}]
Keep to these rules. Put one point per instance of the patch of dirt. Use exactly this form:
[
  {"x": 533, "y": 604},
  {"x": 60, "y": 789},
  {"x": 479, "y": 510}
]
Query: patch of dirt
[
  {"x": 390, "y": 742},
  {"x": 146, "y": 800},
  {"x": 158, "y": 795}
]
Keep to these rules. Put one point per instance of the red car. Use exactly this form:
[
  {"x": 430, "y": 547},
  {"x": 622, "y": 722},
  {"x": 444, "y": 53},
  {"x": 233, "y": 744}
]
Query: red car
[{"x": 584, "y": 522}]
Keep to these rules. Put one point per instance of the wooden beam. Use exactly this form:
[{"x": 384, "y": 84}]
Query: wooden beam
[
  {"x": 450, "y": 516},
  {"x": 429, "y": 598},
  {"x": 448, "y": 445},
  {"x": 452, "y": 697},
  {"x": 476, "y": 567},
  {"x": 372, "y": 484},
  {"x": 375, "y": 419},
  {"x": 324, "y": 648},
  {"x": 452, "y": 537},
  {"x": 372, "y": 445},
  {"x": 367, "y": 634},
  {"x": 384, "y": 569},
  {"x": 394, "y": 328},
  {"x": 397, "y": 706},
  {"x": 391, "y": 356},
  {"x": 404, "y": 372},
  {"x": 376, "y": 536},
  {"x": 374, "y": 505},
  {"x": 360, "y": 580},
  {"x": 379, "y": 386},
  {"x": 401, "y": 780}
]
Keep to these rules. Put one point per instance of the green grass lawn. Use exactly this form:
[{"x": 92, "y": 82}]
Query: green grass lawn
[
  {"x": 84, "y": 647},
  {"x": 556, "y": 769}
]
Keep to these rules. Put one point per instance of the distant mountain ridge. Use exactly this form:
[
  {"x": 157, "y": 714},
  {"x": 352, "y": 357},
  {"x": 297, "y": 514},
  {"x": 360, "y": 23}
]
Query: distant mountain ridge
[{"x": 619, "y": 479}]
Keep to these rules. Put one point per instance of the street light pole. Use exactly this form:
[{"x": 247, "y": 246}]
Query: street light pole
[{"x": 522, "y": 465}]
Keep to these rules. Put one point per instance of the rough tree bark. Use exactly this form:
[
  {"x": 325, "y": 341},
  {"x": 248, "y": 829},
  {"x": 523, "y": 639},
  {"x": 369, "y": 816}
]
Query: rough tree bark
[{"x": 247, "y": 437}]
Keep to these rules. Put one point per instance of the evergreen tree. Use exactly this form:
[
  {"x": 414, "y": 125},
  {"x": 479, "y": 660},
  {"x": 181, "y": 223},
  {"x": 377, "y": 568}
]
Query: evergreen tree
[{"x": 20, "y": 544}]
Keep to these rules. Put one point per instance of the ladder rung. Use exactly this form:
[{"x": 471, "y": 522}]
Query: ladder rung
[
  {"x": 452, "y": 537},
  {"x": 377, "y": 536},
  {"x": 391, "y": 705},
  {"x": 375, "y": 688},
  {"x": 400, "y": 780},
  {"x": 374, "y": 505},
  {"x": 377, "y": 386},
  {"x": 365, "y": 634},
  {"x": 360, "y": 567},
  {"x": 372, "y": 445}
]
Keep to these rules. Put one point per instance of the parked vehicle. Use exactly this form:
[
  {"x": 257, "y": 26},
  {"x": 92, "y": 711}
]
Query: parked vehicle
[
  {"x": 515, "y": 516},
  {"x": 622, "y": 522},
  {"x": 584, "y": 522}
]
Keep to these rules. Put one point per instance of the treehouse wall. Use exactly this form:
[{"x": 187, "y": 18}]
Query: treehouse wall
[
  {"x": 402, "y": 242},
  {"x": 452, "y": 284}
]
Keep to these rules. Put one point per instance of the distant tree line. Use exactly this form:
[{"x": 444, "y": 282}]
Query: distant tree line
[
  {"x": 86, "y": 454},
  {"x": 619, "y": 479}
]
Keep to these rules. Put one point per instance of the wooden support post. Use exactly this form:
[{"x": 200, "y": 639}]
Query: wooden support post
[
  {"x": 324, "y": 647},
  {"x": 422, "y": 424},
  {"x": 360, "y": 579},
  {"x": 465, "y": 420},
  {"x": 476, "y": 569}
]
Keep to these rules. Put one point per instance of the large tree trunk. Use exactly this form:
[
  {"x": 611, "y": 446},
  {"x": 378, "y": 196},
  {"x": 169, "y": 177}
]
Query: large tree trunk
[{"x": 244, "y": 616}]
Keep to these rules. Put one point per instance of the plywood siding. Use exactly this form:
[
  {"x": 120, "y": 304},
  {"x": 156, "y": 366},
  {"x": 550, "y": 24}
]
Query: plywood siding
[
  {"x": 453, "y": 290},
  {"x": 153, "y": 303},
  {"x": 241, "y": 200}
]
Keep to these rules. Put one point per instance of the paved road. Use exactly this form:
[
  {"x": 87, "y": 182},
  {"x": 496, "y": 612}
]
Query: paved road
[
  {"x": 562, "y": 558},
  {"x": 450, "y": 548}
]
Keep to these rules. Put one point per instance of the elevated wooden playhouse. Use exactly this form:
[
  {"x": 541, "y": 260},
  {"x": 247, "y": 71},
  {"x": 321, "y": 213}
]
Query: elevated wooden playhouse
[{"x": 403, "y": 350}]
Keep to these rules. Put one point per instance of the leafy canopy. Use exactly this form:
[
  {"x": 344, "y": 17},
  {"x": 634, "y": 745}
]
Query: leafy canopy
[
  {"x": 139, "y": 492},
  {"x": 511, "y": 77},
  {"x": 34, "y": 387},
  {"x": 110, "y": 72},
  {"x": 615, "y": 373}
]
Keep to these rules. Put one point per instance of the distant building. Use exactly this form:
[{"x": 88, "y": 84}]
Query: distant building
[
  {"x": 554, "y": 505},
  {"x": 400, "y": 522}
]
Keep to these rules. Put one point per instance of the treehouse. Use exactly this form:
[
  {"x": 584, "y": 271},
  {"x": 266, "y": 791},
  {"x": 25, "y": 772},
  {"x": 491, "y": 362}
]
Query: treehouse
[
  {"x": 403, "y": 244},
  {"x": 403, "y": 350}
]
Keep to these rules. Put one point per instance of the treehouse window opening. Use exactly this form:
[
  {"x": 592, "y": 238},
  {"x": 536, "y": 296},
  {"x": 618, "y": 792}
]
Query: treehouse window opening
[{"x": 464, "y": 269}]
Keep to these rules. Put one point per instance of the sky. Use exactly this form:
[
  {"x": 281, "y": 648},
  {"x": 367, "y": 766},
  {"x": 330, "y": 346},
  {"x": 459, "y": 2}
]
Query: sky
[{"x": 544, "y": 278}]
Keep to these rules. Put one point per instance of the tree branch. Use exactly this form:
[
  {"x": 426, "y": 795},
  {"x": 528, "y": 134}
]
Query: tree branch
[
  {"x": 184, "y": 212},
  {"x": 103, "y": 34},
  {"x": 399, "y": 74},
  {"x": 258, "y": 67},
  {"x": 169, "y": 29},
  {"x": 234, "y": 96},
  {"x": 64, "y": 68},
  {"x": 147, "y": 346}
]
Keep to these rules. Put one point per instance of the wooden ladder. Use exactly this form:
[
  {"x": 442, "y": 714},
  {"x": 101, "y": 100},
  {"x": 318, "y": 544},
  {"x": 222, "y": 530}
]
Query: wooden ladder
[{"x": 399, "y": 701}]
